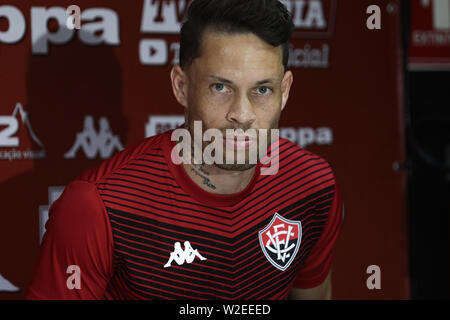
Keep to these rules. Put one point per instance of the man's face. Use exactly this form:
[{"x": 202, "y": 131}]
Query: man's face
[{"x": 238, "y": 82}]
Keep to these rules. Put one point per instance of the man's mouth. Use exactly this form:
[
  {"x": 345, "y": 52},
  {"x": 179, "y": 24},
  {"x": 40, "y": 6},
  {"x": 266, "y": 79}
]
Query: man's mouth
[{"x": 240, "y": 142}]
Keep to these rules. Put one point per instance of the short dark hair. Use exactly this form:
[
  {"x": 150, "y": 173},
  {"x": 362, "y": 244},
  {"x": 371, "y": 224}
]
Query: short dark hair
[{"x": 267, "y": 19}]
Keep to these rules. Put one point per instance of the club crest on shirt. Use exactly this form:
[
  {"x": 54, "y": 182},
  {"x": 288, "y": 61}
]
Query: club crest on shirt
[{"x": 280, "y": 241}]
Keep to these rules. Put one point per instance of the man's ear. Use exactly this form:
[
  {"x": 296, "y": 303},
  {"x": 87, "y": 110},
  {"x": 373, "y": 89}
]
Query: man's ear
[
  {"x": 286, "y": 87},
  {"x": 179, "y": 81}
]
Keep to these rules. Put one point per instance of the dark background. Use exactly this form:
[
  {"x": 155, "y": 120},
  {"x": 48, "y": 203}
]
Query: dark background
[{"x": 427, "y": 119}]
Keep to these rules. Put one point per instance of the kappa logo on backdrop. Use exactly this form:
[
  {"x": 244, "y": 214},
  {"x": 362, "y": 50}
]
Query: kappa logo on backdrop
[
  {"x": 93, "y": 142},
  {"x": 280, "y": 241},
  {"x": 181, "y": 256},
  {"x": 9, "y": 138},
  {"x": 7, "y": 286}
]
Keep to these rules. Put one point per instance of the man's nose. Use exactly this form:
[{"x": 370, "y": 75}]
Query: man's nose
[{"x": 241, "y": 111}]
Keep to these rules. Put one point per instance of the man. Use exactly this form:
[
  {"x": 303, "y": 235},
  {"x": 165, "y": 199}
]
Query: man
[{"x": 247, "y": 234}]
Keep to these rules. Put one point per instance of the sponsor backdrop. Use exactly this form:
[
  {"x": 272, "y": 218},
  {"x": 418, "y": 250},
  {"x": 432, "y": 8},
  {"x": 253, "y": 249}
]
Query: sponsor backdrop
[
  {"x": 72, "y": 98},
  {"x": 429, "y": 45}
]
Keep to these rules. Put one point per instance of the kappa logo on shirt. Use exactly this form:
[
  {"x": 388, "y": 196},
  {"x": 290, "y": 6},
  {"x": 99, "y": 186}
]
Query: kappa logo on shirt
[
  {"x": 280, "y": 241},
  {"x": 181, "y": 256}
]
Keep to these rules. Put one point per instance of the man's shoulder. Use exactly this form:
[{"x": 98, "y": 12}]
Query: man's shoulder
[
  {"x": 151, "y": 145},
  {"x": 303, "y": 166},
  {"x": 296, "y": 158}
]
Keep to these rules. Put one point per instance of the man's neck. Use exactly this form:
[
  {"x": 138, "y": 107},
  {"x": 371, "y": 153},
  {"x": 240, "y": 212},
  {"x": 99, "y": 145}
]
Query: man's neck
[{"x": 219, "y": 181}]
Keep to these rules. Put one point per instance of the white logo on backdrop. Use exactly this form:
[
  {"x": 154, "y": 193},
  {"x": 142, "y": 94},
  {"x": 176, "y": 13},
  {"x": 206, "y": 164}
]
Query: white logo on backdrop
[
  {"x": 441, "y": 13},
  {"x": 99, "y": 26},
  {"x": 93, "y": 142},
  {"x": 161, "y": 17},
  {"x": 311, "y": 21},
  {"x": 164, "y": 17},
  {"x": 7, "y": 286},
  {"x": 8, "y": 136},
  {"x": 305, "y": 136},
  {"x": 307, "y": 14},
  {"x": 161, "y": 124},
  {"x": 440, "y": 35}
]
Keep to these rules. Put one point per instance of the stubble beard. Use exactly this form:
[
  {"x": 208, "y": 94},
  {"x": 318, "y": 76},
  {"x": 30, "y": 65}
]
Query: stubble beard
[{"x": 239, "y": 167}]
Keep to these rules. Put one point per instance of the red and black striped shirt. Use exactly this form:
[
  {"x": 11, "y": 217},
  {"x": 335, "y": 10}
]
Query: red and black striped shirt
[{"x": 126, "y": 225}]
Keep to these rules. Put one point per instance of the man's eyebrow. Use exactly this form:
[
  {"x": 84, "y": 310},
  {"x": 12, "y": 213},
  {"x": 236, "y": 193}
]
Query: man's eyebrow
[
  {"x": 220, "y": 79},
  {"x": 271, "y": 80}
]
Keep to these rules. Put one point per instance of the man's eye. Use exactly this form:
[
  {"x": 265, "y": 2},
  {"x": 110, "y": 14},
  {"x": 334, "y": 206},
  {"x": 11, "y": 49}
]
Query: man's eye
[
  {"x": 219, "y": 87},
  {"x": 263, "y": 90}
]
